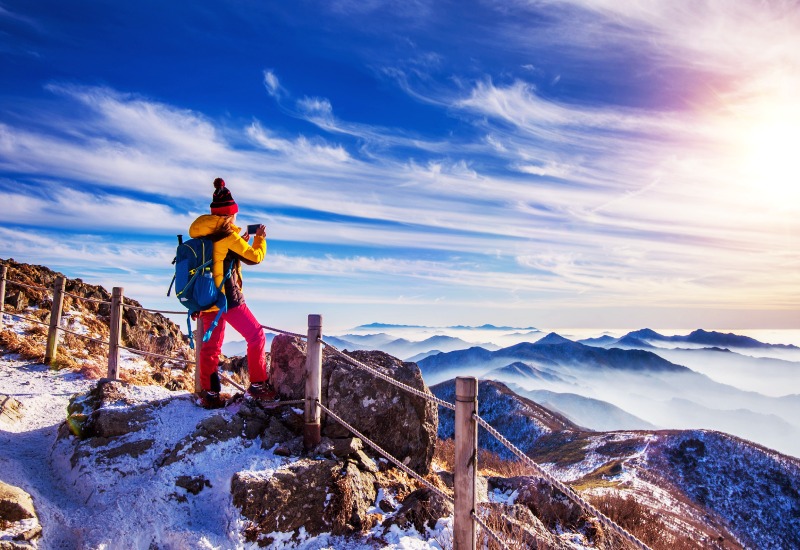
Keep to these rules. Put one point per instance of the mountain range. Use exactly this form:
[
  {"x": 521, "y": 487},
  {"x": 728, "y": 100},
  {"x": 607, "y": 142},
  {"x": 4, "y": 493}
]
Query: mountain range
[{"x": 639, "y": 388}]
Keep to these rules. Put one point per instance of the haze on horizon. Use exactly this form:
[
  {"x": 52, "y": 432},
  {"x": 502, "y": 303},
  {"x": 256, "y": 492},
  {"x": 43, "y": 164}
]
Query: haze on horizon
[{"x": 580, "y": 163}]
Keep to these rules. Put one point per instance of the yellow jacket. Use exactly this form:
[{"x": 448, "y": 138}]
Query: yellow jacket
[{"x": 230, "y": 249}]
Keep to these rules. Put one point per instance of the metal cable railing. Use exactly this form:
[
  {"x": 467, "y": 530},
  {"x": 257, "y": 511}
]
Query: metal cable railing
[
  {"x": 156, "y": 355},
  {"x": 568, "y": 491},
  {"x": 85, "y": 299},
  {"x": 35, "y": 287},
  {"x": 163, "y": 312},
  {"x": 385, "y": 454},
  {"x": 279, "y": 331},
  {"x": 494, "y": 536},
  {"x": 29, "y": 319},
  {"x": 84, "y": 336},
  {"x": 405, "y": 387}
]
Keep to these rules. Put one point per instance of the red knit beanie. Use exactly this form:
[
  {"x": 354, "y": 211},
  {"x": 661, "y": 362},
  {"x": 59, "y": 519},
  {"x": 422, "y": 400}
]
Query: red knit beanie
[{"x": 223, "y": 204}]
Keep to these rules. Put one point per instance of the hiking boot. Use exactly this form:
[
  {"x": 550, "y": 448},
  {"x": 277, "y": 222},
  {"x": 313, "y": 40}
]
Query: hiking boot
[
  {"x": 262, "y": 391},
  {"x": 210, "y": 400}
]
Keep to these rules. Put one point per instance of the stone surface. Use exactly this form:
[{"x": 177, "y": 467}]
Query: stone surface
[
  {"x": 381, "y": 411},
  {"x": 546, "y": 502},
  {"x": 97, "y": 414},
  {"x": 288, "y": 366},
  {"x": 420, "y": 508},
  {"x": 10, "y": 409},
  {"x": 15, "y": 504},
  {"x": 318, "y": 496}
]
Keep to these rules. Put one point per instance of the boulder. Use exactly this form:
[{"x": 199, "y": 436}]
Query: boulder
[
  {"x": 381, "y": 411},
  {"x": 18, "y": 519},
  {"x": 17, "y": 300},
  {"x": 549, "y": 504},
  {"x": 421, "y": 508},
  {"x": 288, "y": 366},
  {"x": 384, "y": 413},
  {"x": 10, "y": 409},
  {"x": 317, "y": 496},
  {"x": 97, "y": 414},
  {"x": 15, "y": 504}
]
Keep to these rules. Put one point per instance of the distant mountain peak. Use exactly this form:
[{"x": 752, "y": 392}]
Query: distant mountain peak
[
  {"x": 552, "y": 339},
  {"x": 645, "y": 334}
]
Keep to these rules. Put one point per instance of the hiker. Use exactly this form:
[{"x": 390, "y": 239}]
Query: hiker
[{"x": 230, "y": 250}]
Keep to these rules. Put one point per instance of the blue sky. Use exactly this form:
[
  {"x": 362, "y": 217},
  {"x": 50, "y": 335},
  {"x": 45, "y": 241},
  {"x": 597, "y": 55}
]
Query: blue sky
[{"x": 583, "y": 163}]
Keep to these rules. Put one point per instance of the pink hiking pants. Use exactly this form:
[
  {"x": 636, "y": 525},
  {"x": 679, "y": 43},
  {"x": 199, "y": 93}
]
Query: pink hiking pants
[{"x": 244, "y": 322}]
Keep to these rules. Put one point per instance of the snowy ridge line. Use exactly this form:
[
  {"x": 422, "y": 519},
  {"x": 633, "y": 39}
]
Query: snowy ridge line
[
  {"x": 35, "y": 287},
  {"x": 85, "y": 299},
  {"x": 406, "y": 387},
  {"x": 385, "y": 454},
  {"x": 494, "y": 536},
  {"x": 575, "y": 497},
  {"x": 279, "y": 331}
]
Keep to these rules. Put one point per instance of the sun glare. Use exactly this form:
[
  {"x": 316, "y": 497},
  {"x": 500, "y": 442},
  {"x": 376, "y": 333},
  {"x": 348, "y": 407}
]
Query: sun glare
[{"x": 770, "y": 154}]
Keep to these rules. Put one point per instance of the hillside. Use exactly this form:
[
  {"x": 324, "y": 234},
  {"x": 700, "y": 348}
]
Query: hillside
[{"x": 704, "y": 485}]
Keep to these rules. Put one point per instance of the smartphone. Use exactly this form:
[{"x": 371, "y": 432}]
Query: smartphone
[{"x": 251, "y": 229}]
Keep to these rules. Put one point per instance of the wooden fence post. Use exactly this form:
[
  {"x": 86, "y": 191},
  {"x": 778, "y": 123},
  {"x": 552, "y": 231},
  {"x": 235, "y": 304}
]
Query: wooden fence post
[
  {"x": 114, "y": 332},
  {"x": 466, "y": 464},
  {"x": 3, "y": 274},
  {"x": 313, "y": 432},
  {"x": 51, "y": 352},
  {"x": 198, "y": 343}
]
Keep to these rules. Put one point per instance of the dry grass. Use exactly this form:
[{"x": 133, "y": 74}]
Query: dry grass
[
  {"x": 511, "y": 526},
  {"x": 489, "y": 463},
  {"x": 29, "y": 349},
  {"x": 145, "y": 341},
  {"x": 642, "y": 522}
]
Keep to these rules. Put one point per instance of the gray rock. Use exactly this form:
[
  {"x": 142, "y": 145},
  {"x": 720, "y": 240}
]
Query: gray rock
[
  {"x": 192, "y": 484},
  {"x": 549, "y": 504},
  {"x": 15, "y": 504},
  {"x": 420, "y": 508},
  {"x": 319, "y": 496},
  {"x": 288, "y": 366},
  {"x": 381, "y": 411},
  {"x": 10, "y": 409}
]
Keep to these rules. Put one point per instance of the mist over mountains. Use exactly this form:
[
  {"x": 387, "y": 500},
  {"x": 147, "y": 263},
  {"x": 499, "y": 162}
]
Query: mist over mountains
[{"x": 640, "y": 380}]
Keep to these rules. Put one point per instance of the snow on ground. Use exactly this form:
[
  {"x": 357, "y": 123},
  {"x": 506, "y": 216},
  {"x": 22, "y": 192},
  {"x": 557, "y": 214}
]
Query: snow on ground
[{"x": 131, "y": 503}]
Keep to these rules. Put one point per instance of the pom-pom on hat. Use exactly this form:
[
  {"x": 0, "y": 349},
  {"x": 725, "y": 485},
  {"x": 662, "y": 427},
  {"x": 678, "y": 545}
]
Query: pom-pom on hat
[{"x": 223, "y": 204}]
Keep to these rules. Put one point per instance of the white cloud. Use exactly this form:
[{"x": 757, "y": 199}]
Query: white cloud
[
  {"x": 272, "y": 84},
  {"x": 317, "y": 110},
  {"x": 310, "y": 151}
]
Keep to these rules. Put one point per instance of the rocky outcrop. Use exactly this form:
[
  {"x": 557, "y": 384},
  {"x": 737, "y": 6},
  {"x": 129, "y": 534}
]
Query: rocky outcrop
[
  {"x": 403, "y": 424},
  {"x": 317, "y": 496},
  {"x": 536, "y": 510},
  {"x": 136, "y": 324},
  {"x": 288, "y": 366},
  {"x": 18, "y": 519},
  {"x": 422, "y": 509},
  {"x": 98, "y": 414},
  {"x": 380, "y": 410}
]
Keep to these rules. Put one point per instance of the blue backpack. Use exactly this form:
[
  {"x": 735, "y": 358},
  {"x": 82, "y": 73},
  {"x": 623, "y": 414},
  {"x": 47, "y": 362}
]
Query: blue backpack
[{"x": 194, "y": 282}]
